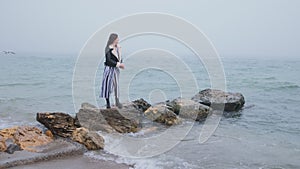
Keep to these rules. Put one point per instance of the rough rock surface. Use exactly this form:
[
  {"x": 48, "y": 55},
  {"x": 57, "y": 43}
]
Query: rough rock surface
[
  {"x": 2, "y": 144},
  {"x": 189, "y": 109},
  {"x": 58, "y": 123},
  {"x": 141, "y": 104},
  {"x": 26, "y": 137},
  {"x": 118, "y": 121},
  {"x": 162, "y": 114},
  {"x": 11, "y": 146},
  {"x": 217, "y": 98},
  {"x": 107, "y": 120},
  {"x": 90, "y": 139}
]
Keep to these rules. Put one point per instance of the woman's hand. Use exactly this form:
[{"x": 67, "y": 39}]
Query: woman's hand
[
  {"x": 118, "y": 46},
  {"x": 122, "y": 66}
]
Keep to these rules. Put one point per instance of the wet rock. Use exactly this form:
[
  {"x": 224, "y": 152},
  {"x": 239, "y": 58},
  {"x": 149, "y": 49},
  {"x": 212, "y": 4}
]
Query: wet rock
[
  {"x": 161, "y": 113},
  {"x": 217, "y": 98},
  {"x": 107, "y": 120},
  {"x": 141, "y": 104},
  {"x": 90, "y": 139},
  {"x": 189, "y": 109},
  {"x": 58, "y": 123}
]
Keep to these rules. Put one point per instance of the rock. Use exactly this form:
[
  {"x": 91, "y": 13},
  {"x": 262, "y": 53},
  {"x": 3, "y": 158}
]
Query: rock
[
  {"x": 93, "y": 120},
  {"x": 8, "y": 132},
  {"x": 2, "y": 144},
  {"x": 49, "y": 134},
  {"x": 132, "y": 112},
  {"x": 189, "y": 109},
  {"x": 106, "y": 120},
  {"x": 88, "y": 105},
  {"x": 23, "y": 137},
  {"x": 141, "y": 104},
  {"x": 217, "y": 98},
  {"x": 28, "y": 137},
  {"x": 58, "y": 123},
  {"x": 162, "y": 114},
  {"x": 90, "y": 139},
  {"x": 11, "y": 146},
  {"x": 119, "y": 122}
]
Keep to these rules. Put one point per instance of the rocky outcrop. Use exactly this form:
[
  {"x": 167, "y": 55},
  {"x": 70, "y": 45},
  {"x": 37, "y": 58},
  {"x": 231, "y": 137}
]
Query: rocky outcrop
[
  {"x": 162, "y": 114},
  {"x": 93, "y": 120},
  {"x": 189, "y": 109},
  {"x": 90, "y": 139},
  {"x": 58, "y": 123},
  {"x": 107, "y": 120},
  {"x": 219, "y": 99},
  {"x": 25, "y": 137},
  {"x": 118, "y": 121}
]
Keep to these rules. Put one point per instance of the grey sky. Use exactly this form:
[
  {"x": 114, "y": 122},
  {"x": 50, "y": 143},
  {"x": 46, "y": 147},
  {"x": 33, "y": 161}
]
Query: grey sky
[{"x": 236, "y": 27}]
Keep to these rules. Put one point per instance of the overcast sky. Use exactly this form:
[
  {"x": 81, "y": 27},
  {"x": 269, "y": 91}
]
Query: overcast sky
[{"x": 236, "y": 27}]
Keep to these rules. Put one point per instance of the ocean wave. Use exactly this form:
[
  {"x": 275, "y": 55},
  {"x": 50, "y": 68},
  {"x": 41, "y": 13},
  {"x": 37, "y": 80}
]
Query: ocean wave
[
  {"x": 292, "y": 86},
  {"x": 270, "y": 78},
  {"x": 4, "y": 100},
  {"x": 21, "y": 84},
  {"x": 283, "y": 87}
]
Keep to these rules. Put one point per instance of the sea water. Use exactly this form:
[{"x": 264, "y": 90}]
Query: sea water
[{"x": 265, "y": 135}]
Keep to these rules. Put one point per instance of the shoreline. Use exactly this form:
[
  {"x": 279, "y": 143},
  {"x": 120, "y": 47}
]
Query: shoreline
[
  {"x": 60, "y": 153},
  {"x": 74, "y": 162}
]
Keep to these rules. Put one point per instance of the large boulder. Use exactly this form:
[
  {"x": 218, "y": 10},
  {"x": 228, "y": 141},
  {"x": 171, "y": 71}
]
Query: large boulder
[
  {"x": 107, "y": 120},
  {"x": 25, "y": 137},
  {"x": 219, "y": 99},
  {"x": 92, "y": 119},
  {"x": 90, "y": 139},
  {"x": 162, "y": 114},
  {"x": 58, "y": 123},
  {"x": 189, "y": 109}
]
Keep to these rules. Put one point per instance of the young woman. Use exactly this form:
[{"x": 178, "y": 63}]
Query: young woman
[{"x": 111, "y": 72}]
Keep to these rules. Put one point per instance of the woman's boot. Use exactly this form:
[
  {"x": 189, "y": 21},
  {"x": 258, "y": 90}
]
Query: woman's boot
[
  {"x": 118, "y": 104},
  {"x": 107, "y": 103}
]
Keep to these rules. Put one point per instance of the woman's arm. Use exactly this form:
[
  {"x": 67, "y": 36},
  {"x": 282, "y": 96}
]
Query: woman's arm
[
  {"x": 109, "y": 61},
  {"x": 119, "y": 53}
]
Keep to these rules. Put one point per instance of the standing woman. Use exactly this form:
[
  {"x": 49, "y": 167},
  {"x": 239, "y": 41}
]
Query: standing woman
[{"x": 111, "y": 70}]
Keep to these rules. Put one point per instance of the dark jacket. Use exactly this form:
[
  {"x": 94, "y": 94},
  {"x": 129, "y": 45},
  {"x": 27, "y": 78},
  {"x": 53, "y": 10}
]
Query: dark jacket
[{"x": 111, "y": 59}]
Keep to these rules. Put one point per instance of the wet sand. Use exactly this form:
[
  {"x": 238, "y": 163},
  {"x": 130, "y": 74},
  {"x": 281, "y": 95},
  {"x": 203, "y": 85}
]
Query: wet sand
[
  {"x": 58, "y": 154},
  {"x": 74, "y": 162}
]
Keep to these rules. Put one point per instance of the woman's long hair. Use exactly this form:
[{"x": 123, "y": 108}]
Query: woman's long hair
[{"x": 111, "y": 39}]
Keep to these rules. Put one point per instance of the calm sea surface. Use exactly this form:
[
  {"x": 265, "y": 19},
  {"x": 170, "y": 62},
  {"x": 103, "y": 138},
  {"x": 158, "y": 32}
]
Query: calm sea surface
[{"x": 266, "y": 135}]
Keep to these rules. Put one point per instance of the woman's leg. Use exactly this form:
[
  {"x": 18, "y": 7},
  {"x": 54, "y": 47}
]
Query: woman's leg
[
  {"x": 116, "y": 88},
  {"x": 107, "y": 103}
]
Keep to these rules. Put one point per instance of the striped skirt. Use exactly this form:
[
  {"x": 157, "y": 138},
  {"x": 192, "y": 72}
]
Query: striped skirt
[{"x": 110, "y": 81}]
